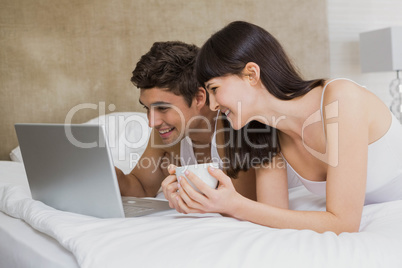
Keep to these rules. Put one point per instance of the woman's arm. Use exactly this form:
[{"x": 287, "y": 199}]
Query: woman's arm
[
  {"x": 346, "y": 130},
  {"x": 272, "y": 183}
]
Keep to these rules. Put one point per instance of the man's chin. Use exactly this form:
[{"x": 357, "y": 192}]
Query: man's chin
[{"x": 171, "y": 140}]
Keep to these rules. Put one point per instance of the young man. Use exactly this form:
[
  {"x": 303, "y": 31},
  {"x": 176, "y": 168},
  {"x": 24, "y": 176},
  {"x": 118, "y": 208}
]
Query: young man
[{"x": 183, "y": 125}]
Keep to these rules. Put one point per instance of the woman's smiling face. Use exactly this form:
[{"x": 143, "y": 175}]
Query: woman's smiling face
[{"x": 232, "y": 95}]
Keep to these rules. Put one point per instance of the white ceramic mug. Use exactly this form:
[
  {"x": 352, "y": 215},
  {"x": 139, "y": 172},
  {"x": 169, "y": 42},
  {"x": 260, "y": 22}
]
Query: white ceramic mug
[{"x": 201, "y": 170}]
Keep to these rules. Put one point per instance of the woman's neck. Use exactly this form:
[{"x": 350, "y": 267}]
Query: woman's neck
[{"x": 288, "y": 116}]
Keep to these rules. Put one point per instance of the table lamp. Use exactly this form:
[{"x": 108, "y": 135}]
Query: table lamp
[{"x": 381, "y": 51}]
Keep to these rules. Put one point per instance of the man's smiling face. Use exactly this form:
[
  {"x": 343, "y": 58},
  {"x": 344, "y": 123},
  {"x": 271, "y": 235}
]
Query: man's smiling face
[{"x": 167, "y": 113}]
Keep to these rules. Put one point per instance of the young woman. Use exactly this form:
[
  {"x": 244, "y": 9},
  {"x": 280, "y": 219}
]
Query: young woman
[{"x": 338, "y": 138}]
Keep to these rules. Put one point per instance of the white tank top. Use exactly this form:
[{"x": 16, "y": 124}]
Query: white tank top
[
  {"x": 384, "y": 166},
  {"x": 187, "y": 156}
]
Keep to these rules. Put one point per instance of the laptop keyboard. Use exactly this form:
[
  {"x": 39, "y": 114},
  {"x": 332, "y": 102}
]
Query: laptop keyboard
[
  {"x": 132, "y": 210},
  {"x": 134, "y": 207}
]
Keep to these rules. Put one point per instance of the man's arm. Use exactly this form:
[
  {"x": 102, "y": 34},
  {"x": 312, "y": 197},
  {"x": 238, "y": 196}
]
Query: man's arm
[{"x": 146, "y": 177}]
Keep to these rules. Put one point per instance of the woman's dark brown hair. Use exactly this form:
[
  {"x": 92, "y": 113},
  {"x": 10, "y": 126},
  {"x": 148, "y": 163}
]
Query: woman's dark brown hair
[{"x": 227, "y": 52}]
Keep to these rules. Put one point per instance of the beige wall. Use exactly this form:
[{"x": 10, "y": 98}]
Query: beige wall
[
  {"x": 55, "y": 55},
  {"x": 346, "y": 20}
]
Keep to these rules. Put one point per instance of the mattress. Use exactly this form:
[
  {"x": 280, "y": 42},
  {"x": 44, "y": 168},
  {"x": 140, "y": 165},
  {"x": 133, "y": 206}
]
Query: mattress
[{"x": 36, "y": 235}]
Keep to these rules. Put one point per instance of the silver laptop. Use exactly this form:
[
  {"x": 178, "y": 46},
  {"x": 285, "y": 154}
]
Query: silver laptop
[{"x": 70, "y": 168}]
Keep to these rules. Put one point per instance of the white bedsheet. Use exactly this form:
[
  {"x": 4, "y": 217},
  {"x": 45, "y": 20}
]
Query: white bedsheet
[
  {"x": 170, "y": 239},
  {"x": 21, "y": 245}
]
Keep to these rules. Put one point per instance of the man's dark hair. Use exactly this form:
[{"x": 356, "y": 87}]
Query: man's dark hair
[{"x": 171, "y": 66}]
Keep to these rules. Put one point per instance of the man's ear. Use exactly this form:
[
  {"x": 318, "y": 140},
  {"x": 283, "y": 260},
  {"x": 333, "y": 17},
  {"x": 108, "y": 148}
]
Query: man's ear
[
  {"x": 201, "y": 97},
  {"x": 252, "y": 71}
]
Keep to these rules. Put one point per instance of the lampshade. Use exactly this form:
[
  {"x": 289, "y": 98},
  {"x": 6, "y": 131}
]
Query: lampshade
[{"x": 381, "y": 50}]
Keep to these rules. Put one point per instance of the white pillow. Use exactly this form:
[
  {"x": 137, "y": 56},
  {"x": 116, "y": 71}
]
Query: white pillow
[
  {"x": 15, "y": 154},
  {"x": 128, "y": 135}
]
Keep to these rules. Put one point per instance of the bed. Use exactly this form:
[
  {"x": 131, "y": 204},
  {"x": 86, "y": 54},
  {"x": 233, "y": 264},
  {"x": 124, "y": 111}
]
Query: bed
[{"x": 35, "y": 235}]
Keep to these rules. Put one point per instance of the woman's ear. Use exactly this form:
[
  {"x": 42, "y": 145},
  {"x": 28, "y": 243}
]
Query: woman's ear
[
  {"x": 201, "y": 97},
  {"x": 252, "y": 71}
]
